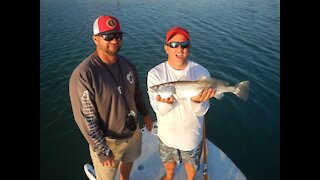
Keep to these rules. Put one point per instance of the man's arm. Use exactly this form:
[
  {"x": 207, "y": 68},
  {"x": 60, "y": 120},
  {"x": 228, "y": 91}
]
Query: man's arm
[
  {"x": 159, "y": 105},
  {"x": 85, "y": 113}
]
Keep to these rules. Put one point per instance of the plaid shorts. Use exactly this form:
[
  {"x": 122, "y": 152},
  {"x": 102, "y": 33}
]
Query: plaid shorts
[{"x": 169, "y": 154}]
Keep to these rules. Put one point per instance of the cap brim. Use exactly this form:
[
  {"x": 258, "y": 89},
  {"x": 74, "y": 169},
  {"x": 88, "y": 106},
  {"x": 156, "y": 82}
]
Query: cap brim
[{"x": 110, "y": 32}]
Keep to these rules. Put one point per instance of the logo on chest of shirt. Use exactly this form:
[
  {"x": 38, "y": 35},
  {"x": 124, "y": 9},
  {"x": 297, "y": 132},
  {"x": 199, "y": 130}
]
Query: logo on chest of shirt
[{"x": 130, "y": 77}]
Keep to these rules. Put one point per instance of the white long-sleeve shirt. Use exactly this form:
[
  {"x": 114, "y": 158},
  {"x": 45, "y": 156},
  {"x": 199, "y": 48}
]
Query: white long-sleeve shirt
[{"x": 179, "y": 123}]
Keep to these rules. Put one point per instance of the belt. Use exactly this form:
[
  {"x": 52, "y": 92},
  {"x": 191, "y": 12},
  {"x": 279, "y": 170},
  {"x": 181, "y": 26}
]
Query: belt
[{"x": 119, "y": 137}]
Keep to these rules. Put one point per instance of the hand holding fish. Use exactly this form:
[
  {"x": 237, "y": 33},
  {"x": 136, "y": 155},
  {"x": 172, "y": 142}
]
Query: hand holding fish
[
  {"x": 168, "y": 100},
  {"x": 204, "y": 95}
]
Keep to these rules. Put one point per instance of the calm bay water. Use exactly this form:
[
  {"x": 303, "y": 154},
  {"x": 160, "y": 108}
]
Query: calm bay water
[{"x": 235, "y": 39}]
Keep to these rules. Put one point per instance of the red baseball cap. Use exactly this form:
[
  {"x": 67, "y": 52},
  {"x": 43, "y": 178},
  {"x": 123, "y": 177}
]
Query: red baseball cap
[
  {"x": 106, "y": 24},
  {"x": 177, "y": 30}
]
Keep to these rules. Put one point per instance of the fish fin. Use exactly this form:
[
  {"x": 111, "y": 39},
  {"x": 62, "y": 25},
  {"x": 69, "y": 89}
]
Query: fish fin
[
  {"x": 219, "y": 96},
  {"x": 221, "y": 82},
  {"x": 242, "y": 90},
  {"x": 202, "y": 78},
  {"x": 205, "y": 78}
]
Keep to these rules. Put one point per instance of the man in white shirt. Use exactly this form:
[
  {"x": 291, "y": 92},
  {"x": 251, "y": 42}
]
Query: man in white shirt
[{"x": 179, "y": 119}]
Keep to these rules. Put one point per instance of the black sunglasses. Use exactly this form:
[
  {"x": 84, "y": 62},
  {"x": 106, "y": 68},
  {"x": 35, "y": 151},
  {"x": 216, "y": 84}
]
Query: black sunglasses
[
  {"x": 111, "y": 36},
  {"x": 174, "y": 44}
]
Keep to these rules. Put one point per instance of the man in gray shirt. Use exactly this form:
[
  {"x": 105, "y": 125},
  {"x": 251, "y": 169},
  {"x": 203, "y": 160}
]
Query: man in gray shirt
[{"x": 105, "y": 98}]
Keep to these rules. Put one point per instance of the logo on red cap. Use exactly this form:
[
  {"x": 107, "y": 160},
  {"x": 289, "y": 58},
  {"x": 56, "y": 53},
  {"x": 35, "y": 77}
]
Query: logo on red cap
[{"x": 111, "y": 23}]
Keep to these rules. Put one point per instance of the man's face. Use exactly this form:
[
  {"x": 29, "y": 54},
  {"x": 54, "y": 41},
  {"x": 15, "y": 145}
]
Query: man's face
[
  {"x": 110, "y": 43},
  {"x": 178, "y": 56}
]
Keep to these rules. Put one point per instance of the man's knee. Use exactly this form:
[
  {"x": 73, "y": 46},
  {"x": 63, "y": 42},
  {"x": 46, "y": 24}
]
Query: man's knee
[{"x": 170, "y": 165}]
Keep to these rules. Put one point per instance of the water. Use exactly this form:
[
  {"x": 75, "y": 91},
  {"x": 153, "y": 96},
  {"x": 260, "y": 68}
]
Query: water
[{"x": 235, "y": 39}]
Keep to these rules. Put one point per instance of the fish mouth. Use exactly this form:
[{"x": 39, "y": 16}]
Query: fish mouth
[{"x": 153, "y": 89}]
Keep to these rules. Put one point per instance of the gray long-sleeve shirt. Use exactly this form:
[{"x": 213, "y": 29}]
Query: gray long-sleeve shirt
[{"x": 98, "y": 108}]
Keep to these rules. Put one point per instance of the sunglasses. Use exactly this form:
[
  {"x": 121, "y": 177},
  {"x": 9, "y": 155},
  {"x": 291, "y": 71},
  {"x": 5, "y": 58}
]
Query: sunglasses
[
  {"x": 174, "y": 44},
  {"x": 110, "y": 37}
]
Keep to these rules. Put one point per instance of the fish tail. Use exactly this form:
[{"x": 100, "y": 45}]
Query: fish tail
[{"x": 242, "y": 90}]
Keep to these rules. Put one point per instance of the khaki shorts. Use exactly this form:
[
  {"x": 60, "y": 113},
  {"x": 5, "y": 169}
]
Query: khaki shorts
[{"x": 125, "y": 150}]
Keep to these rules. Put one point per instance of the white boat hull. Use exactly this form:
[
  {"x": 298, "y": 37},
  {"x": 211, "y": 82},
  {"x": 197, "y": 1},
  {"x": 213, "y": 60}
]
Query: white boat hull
[{"x": 149, "y": 165}]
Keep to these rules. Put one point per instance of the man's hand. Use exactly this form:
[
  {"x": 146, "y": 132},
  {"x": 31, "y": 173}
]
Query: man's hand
[
  {"x": 168, "y": 100},
  {"x": 110, "y": 161},
  {"x": 203, "y": 96},
  {"x": 148, "y": 122}
]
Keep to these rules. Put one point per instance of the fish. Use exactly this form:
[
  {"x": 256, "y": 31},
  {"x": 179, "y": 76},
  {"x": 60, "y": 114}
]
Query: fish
[{"x": 187, "y": 89}]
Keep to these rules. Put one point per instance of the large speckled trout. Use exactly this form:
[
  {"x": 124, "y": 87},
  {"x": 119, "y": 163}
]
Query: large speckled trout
[{"x": 185, "y": 89}]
